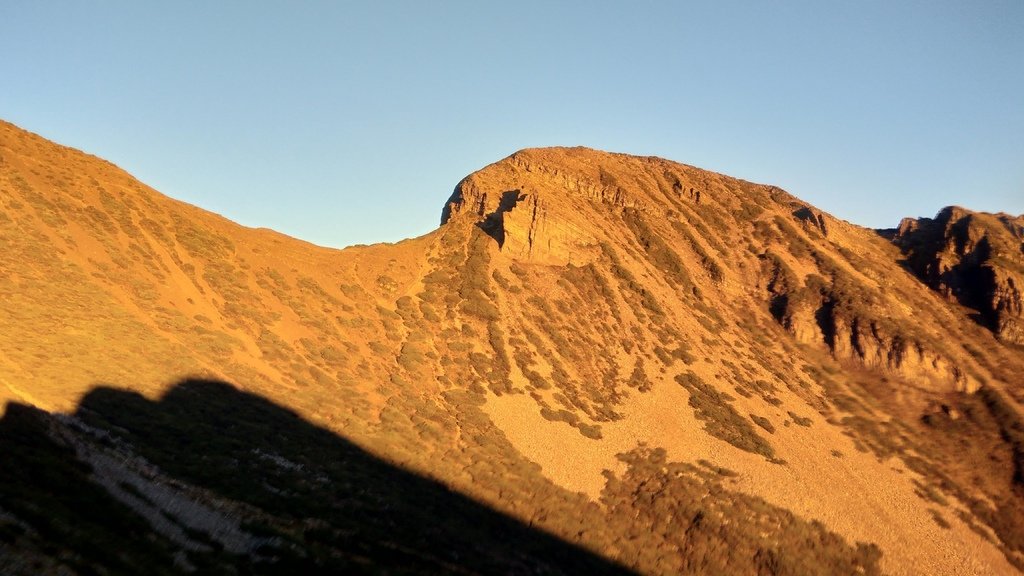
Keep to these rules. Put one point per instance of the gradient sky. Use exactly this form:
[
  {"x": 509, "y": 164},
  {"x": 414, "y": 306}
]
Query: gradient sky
[{"x": 345, "y": 123}]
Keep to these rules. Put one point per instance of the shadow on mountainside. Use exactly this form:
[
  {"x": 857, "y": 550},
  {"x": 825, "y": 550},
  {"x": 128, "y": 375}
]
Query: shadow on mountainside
[
  {"x": 494, "y": 223},
  {"x": 232, "y": 483}
]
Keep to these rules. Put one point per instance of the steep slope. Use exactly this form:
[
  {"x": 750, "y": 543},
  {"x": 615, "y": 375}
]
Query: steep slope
[{"x": 672, "y": 369}]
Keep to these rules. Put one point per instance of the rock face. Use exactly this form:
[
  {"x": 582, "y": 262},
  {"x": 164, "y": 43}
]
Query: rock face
[
  {"x": 518, "y": 196},
  {"x": 539, "y": 204},
  {"x": 975, "y": 259},
  {"x": 856, "y": 325},
  {"x": 598, "y": 361}
]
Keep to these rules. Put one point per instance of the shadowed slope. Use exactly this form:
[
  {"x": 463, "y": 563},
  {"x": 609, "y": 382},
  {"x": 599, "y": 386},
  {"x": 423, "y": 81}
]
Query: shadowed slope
[{"x": 292, "y": 498}]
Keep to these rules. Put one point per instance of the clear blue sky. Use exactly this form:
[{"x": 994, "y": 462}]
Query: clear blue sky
[{"x": 343, "y": 122}]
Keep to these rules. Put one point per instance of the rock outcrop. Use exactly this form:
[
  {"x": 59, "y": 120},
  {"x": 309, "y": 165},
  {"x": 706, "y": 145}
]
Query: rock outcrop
[
  {"x": 973, "y": 258},
  {"x": 514, "y": 201},
  {"x": 854, "y": 325}
]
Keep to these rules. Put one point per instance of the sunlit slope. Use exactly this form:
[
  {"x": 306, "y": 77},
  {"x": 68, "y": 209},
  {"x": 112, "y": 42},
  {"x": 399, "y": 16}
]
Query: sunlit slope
[
  {"x": 678, "y": 370},
  {"x": 796, "y": 337},
  {"x": 106, "y": 280}
]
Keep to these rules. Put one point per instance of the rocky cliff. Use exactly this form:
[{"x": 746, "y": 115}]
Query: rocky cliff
[{"x": 972, "y": 258}]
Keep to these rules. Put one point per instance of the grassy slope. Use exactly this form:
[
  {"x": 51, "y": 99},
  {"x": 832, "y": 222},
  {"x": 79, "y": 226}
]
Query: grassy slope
[{"x": 473, "y": 365}]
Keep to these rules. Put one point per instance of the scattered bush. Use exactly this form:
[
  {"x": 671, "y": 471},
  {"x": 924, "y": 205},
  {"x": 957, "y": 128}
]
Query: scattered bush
[
  {"x": 763, "y": 423},
  {"x": 720, "y": 419},
  {"x": 799, "y": 420}
]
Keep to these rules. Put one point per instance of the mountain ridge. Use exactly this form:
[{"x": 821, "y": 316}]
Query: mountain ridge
[{"x": 582, "y": 325}]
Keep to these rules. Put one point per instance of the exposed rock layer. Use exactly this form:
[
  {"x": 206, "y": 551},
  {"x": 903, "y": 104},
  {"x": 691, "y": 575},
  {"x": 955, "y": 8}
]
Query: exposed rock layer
[{"x": 975, "y": 259}]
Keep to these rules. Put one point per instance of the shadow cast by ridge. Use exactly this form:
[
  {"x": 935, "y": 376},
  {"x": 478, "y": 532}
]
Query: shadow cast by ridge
[{"x": 319, "y": 503}]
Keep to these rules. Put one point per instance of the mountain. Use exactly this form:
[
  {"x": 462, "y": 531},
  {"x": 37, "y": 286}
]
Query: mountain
[{"x": 598, "y": 363}]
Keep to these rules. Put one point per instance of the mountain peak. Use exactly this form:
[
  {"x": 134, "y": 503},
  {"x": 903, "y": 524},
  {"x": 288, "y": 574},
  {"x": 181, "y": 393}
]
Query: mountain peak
[
  {"x": 593, "y": 344},
  {"x": 539, "y": 203},
  {"x": 556, "y": 205}
]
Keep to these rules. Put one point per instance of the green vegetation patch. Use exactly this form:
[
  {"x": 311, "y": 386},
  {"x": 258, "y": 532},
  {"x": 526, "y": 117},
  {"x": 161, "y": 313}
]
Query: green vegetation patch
[
  {"x": 721, "y": 420},
  {"x": 707, "y": 261},
  {"x": 660, "y": 254},
  {"x": 642, "y": 300},
  {"x": 799, "y": 420},
  {"x": 713, "y": 530},
  {"x": 763, "y": 423}
]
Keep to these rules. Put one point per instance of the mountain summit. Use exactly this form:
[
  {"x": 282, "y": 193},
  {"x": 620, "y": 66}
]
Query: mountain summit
[{"x": 618, "y": 363}]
